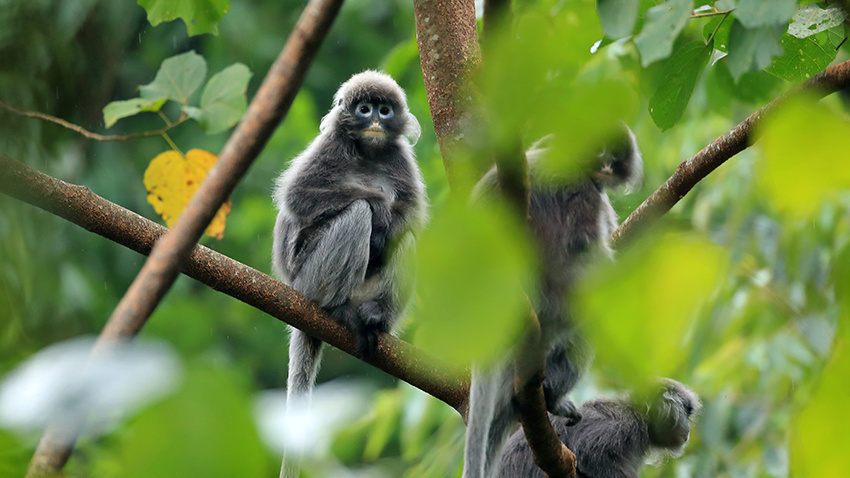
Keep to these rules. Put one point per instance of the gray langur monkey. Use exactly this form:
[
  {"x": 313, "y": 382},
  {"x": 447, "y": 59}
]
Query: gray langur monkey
[
  {"x": 571, "y": 220},
  {"x": 349, "y": 207},
  {"x": 615, "y": 436}
]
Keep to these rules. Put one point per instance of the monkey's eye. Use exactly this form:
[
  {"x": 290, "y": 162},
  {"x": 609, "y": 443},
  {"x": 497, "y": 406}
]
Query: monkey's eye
[
  {"x": 363, "y": 110},
  {"x": 385, "y": 111}
]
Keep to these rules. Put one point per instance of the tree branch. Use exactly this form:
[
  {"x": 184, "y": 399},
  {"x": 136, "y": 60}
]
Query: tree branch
[
  {"x": 268, "y": 107},
  {"x": 691, "y": 171},
  {"x": 448, "y": 52},
  {"x": 88, "y": 134},
  {"x": 86, "y": 209}
]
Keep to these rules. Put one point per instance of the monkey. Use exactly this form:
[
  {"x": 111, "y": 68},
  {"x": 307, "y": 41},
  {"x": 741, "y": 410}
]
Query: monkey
[
  {"x": 571, "y": 220},
  {"x": 349, "y": 207},
  {"x": 615, "y": 436}
]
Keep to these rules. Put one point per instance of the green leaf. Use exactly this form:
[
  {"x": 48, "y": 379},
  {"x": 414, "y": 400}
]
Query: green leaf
[
  {"x": 618, "y": 17},
  {"x": 474, "y": 264},
  {"x": 223, "y": 101},
  {"x": 811, "y": 19},
  {"x": 663, "y": 24},
  {"x": 752, "y": 49},
  {"x": 819, "y": 438},
  {"x": 200, "y": 16},
  {"x": 804, "y": 57},
  {"x": 804, "y": 146},
  {"x": 178, "y": 77},
  {"x": 759, "y": 13},
  {"x": 121, "y": 109},
  {"x": 641, "y": 307},
  {"x": 719, "y": 27},
  {"x": 680, "y": 75},
  {"x": 206, "y": 429}
]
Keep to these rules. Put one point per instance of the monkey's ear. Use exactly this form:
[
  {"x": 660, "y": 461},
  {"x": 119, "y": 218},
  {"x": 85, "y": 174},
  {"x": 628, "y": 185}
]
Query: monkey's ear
[{"x": 412, "y": 129}]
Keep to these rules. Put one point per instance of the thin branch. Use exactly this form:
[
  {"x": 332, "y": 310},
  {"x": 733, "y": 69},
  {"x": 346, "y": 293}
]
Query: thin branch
[
  {"x": 265, "y": 112},
  {"x": 86, "y": 209},
  {"x": 547, "y": 449},
  {"x": 88, "y": 134},
  {"x": 691, "y": 171}
]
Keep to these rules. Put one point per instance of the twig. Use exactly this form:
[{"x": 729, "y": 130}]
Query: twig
[
  {"x": 268, "y": 107},
  {"x": 88, "y": 134},
  {"x": 691, "y": 171}
]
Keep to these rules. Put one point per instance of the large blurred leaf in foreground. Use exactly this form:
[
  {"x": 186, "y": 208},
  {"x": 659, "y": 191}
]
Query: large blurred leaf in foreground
[
  {"x": 206, "y": 429},
  {"x": 805, "y": 157},
  {"x": 638, "y": 309},
  {"x": 64, "y": 383},
  {"x": 473, "y": 265},
  {"x": 819, "y": 441}
]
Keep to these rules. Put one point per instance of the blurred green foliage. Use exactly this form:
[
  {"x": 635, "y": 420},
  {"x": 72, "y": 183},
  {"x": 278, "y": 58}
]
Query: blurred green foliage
[{"x": 743, "y": 301}]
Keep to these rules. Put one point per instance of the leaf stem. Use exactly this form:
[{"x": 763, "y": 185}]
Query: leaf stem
[
  {"x": 171, "y": 143},
  {"x": 711, "y": 37}
]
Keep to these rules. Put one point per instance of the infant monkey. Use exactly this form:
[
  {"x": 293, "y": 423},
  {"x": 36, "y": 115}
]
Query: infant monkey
[{"x": 614, "y": 436}]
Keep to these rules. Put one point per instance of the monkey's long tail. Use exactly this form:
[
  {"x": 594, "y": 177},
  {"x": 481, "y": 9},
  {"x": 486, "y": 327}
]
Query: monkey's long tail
[{"x": 305, "y": 353}]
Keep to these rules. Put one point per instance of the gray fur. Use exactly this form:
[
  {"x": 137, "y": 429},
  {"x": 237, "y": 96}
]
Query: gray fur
[
  {"x": 571, "y": 220},
  {"x": 615, "y": 436},
  {"x": 348, "y": 208}
]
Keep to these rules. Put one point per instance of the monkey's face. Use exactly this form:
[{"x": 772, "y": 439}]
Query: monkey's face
[{"x": 374, "y": 121}]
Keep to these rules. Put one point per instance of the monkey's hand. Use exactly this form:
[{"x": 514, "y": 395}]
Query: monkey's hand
[{"x": 567, "y": 409}]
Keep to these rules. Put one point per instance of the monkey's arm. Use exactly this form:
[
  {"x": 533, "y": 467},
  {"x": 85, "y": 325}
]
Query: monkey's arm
[{"x": 328, "y": 263}]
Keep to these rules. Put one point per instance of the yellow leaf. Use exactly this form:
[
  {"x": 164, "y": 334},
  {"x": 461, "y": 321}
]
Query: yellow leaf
[{"x": 172, "y": 179}]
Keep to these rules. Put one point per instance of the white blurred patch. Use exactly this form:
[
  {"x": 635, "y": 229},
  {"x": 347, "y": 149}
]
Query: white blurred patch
[
  {"x": 308, "y": 428},
  {"x": 62, "y": 385}
]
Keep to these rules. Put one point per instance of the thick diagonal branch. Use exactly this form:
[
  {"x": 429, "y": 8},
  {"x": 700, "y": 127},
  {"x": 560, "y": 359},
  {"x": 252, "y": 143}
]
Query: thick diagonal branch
[
  {"x": 268, "y": 107},
  {"x": 448, "y": 52},
  {"x": 86, "y": 209},
  {"x": 693, "y": 170}
]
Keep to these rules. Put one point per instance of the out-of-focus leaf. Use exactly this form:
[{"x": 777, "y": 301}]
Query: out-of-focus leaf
[
  {"x": 223, "y": 101},
  {"x": 811, "y": 19},
  {"x": 637, "y": 310},
  {"x": 759, "y": 13},
  {"x": 752, "y": 49},
  {"x": 400, "y": 57},
  {"x": 385, "y": 425},
  {"x": 804, "y": 57},
  {"x": 178, "y": 77},
  {"x": 171, "y": 180},
  {"x": 473, "y": 266},
  {"x": 819, "y": 440},
  {"x": 664, "y": 22},
  {"x": 206, "y": 429},
  {"x": 200, "y": 16},
  {"x": 121, "y": 109},
  {"x": 717, "y": 29},
  {"x": 617, "y": 16},
  {"x": 805, "y": 157},
  {"x": 680, "y": 75}
]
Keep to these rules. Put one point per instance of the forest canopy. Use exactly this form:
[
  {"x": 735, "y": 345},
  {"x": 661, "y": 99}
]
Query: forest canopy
[{"x": 731, "y": 259}]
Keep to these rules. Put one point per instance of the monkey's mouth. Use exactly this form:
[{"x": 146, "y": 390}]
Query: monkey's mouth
[
  {"x": 607, "y": 172},
  {"x": 374, "y": 131}
]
